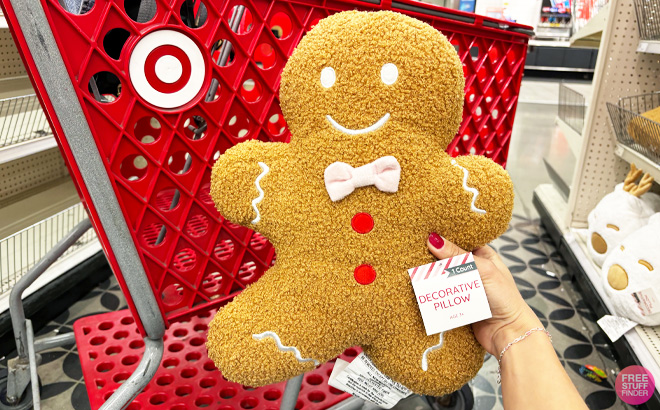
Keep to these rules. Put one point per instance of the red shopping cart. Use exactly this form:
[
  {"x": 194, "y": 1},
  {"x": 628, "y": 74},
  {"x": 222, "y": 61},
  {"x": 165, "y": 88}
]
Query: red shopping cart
[{"x": 143, "y": 96}]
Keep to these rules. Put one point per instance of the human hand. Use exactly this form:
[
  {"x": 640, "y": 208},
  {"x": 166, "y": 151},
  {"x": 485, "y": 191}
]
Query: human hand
[{"x": 511, "y": 315}]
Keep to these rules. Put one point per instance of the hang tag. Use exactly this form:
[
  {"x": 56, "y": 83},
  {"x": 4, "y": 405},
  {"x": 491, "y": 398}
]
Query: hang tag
[
  {"x": 615, "y": 326},
  {"x": 362, "y": 379},
  {"x": 450, "y": 293},
  {"x": 647, "y": 301}
]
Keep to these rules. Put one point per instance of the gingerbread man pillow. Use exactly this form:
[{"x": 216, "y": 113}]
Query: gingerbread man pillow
[{"x": 372, "y": 101}]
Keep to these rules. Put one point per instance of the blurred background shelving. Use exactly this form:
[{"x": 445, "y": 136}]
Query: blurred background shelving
[
  {"x": 38, "y": 202},
  {"x": 625, "y": 35}
]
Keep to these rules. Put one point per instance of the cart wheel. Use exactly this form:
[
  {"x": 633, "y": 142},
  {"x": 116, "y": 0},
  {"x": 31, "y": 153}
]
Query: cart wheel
[
  {"x": 24, "y": 403},
  {"x": 459, "y": 400}
]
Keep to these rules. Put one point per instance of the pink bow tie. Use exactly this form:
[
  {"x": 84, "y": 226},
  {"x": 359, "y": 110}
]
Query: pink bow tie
[{"x": 341, "y": 179}]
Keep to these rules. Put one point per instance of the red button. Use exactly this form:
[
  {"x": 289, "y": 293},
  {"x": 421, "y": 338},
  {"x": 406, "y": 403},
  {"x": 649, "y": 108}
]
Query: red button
[
  {"x": 364, "y": 274},
  {"x": 362, "y": 223}
]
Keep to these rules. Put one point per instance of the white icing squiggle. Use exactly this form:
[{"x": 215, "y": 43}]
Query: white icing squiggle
[
  {"x": 473, "y": 191},
  {"x": 258, "y": 199},
  {"x": 425, "y": 363},
  {"x": 283, "y": 348}
]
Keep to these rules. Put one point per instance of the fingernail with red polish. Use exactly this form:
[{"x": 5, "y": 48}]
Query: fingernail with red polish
[{"x": 436, "y": 241}]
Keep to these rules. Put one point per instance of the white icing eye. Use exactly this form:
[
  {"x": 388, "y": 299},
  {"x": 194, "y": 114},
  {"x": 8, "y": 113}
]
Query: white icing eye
[
  {"x": 328, "y": 77},
  {"x": 389, "y": 73}
]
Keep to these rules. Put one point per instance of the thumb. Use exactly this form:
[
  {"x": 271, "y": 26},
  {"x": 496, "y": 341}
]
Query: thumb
[{"x": 442, "y": 248}]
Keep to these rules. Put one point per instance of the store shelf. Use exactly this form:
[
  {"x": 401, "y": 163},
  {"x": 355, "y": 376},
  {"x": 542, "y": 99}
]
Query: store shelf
[
  {"x": 15, "y": 87},
  {"x": 631, "y": 349},
  {"x": 629, "y": 155},
  {"x": 589, "y": 35},
  {"x": 561, "y": 69},
  {"x": 55, "y": 271},
  {"x": 549, "y": 43},
  {"x": 548, "y": 197},
  {"x": 24, "y": 128},
  {"x": 37, "y": 206},
  {"x": 560, "y": 181},
  {"x": 649, "y": 46},
  {"x": 27, "y": 148},
  {"x": 22, "y": 250},
  {"x": 573, "y": 138}
]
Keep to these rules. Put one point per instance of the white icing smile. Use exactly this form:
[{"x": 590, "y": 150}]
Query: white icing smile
[{"x": 372, "y": 127}]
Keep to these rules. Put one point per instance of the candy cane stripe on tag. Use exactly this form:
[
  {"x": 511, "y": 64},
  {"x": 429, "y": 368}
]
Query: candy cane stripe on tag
[
  {"x": 444, "y": 270},
  {"x": 412, "y": 275},
  {"x": 429, "y": 272}
]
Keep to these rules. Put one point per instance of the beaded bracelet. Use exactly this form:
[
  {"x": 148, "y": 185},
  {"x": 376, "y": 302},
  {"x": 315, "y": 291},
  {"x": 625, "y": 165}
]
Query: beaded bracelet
[{"x": 514, "y": 341}]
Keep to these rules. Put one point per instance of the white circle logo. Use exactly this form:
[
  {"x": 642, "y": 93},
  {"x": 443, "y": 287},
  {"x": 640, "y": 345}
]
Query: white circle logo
[{"x": 167, "y": 68}]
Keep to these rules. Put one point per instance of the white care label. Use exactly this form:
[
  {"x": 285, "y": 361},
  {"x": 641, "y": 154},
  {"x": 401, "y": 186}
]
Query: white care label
[
  {"x": 647, "y": 301},
  {"x": 362, "y": 379},
  {"x": 450, "y": 293},
  {"x": 615, "y": 326}
]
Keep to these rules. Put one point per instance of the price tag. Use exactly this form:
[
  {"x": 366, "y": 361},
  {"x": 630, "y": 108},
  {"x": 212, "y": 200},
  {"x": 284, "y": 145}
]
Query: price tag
[
  {"x": 615, "y": 326},
  {"x": 362, "y": 379},
  {"x": 450, "y": 293},
  {"x": 647, "y": 301}
]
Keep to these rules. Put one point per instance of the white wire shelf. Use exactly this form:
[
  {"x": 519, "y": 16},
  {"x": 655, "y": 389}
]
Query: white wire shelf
[
  {"x": 22, "y": 119},
  {"x": 648, "y": 27},
  {"x": 21, "y": 251},
  {"x": 589, "y": 35},
  {"x": 24, "y": 128}
]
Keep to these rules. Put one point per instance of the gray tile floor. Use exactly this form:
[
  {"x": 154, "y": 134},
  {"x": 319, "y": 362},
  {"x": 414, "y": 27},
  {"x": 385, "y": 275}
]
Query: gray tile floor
[{"x": 539, "y": 272}]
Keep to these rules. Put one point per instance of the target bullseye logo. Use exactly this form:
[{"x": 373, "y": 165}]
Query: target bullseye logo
[{"x": 167, "y": 68}]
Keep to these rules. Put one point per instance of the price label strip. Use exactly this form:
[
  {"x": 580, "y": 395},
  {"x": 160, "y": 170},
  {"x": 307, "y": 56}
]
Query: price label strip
[{"x": 362, "y": 379}]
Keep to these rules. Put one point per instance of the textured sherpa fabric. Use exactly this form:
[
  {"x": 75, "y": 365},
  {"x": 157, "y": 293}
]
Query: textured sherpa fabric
[{"x": 310, "y": 299}]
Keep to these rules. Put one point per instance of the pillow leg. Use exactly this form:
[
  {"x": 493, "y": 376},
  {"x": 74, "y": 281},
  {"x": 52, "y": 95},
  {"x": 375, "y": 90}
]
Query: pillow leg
[{"x": 433, "y": 365}]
